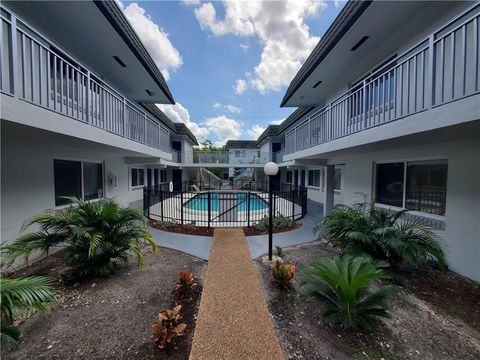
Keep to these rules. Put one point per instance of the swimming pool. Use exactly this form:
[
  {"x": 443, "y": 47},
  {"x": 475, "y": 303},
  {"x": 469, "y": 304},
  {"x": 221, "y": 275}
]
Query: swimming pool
[{"x": 200, "y": 201}]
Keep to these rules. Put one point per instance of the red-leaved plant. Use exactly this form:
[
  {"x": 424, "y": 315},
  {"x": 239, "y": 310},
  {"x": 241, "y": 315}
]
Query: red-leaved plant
[
  {"x": 169, "y": 327},
  {"x": 185, "y": 283},
  {"x": 283, "y": 273}
]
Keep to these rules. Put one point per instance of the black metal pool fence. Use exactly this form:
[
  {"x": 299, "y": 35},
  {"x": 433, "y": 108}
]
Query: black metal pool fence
[{"x": 222, "y": 205}]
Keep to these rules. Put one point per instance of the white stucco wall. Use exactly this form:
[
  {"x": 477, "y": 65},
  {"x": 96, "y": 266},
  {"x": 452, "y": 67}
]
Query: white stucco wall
[
  {"x": 461, "y": 238},
  {"x": 27, "y": 176}
]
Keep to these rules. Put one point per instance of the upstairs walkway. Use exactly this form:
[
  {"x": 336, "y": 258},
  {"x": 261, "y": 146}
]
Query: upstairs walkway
[{"x": 233, "y": 320}]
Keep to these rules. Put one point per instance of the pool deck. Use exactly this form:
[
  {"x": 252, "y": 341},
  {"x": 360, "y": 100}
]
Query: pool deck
[{"x": 199, "y": 246}]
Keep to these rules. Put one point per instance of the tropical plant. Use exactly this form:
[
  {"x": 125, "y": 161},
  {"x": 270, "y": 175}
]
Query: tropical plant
[
  {"x": 279, "y": 251},
  {"x": 185, "y": 282},
  {"x": 20, "y": 296},
  {"x": 99, "y": 236},
  {"x": 381, "y": 234},
  {"x": 346, "y": 284},
  {"x": 169, "y": 327},
  {"x": 283, "y": 273},
  {"x": 279, "y": 222}
]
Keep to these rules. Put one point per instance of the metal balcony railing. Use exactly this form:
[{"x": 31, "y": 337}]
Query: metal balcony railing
[
  {"x": 225, "y": 157},
  {"x": 33, "y": 70},
  {"x": 442, "y": 68}
]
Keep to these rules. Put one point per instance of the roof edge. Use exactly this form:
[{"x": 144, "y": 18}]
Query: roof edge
[
  {"x": 350, "y": 13},
  {"x": 116, "y": 17}
]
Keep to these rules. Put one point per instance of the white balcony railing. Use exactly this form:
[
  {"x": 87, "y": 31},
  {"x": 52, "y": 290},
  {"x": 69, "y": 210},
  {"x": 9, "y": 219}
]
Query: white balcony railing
[
  {"x": 34, "y": 71},
  {"x": 442, "y": 68},
  {"x": 224, "y": 157}
]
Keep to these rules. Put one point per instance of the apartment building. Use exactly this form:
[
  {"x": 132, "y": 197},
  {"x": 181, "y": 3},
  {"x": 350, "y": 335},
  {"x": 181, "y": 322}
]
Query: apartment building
[
  {"x": 388, "y": 111},
  {"x": 77, "y": 113}
]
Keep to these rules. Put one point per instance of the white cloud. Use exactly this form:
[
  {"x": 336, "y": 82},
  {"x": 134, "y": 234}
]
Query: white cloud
[
  {"x": 339, "y": 3},
  {"x": 229, "y": 107},
  {"x": 240, "y": 86},
  {"x": 277, "y": 122},
  {"x": 155, "y": 39},
  {"x": 255, "y": 131},
  {"x": 191, "y": 2},
  {"x": 280, "y": 27},
  {"x": 224, "y": 128},
  {"x": 244, "y": 47},
  {"x": 233, "y": 109},
  {"x": 178, "y": 113}
]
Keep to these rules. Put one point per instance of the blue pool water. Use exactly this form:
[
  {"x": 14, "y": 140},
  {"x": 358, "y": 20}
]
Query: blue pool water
[{"x": 200, "y": 202}]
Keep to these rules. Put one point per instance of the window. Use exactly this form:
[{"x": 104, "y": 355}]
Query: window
[
  {"x": 314, "y": 178},
  {"x": 137, "y": 177},
  {"x": 389, "y": 184},
  {"x": 289, "y": 177},
  {"x": 426, "y": 186},
  {"x": 77, "y": 178},
  {"x": 92, "y": 181},
  {"x": 413, "y": 185},
  {"x": 237, "y": 153},
  {"x": 337, "y": 183},
  {"x": 163, "y": 176}
]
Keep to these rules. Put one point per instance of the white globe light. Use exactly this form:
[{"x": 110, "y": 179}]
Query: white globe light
[{"x": 270, "y": 169}]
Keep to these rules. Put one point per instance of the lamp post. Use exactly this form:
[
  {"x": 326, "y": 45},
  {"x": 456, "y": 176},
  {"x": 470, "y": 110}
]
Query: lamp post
[{"x": 270, "y": 169}]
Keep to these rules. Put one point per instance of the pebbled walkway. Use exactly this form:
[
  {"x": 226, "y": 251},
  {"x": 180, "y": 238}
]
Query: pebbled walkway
[{"x": 233, "y": 320}]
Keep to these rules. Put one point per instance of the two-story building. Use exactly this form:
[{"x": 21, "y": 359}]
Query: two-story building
[
  {"x": 388, "y": 109},
  {"x": 77, "y": 113}
]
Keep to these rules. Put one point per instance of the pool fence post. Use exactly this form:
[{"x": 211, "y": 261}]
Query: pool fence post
[
  {"x": 209, "y": 205},
  {"x": 293, "y": 205},
  {"x": 161, "y": 203},
  {"x": 248, "y": 208},
  {"x": 181, "y": 207}
]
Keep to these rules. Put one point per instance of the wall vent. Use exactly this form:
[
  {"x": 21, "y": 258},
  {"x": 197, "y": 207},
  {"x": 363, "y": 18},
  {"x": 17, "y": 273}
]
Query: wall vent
[{"x": 359, "y": 43}]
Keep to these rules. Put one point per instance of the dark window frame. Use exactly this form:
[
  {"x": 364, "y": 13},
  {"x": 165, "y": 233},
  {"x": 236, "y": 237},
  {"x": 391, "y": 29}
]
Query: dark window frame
[
  {"x": 432, "y": 200},
  {"x": 81, "y": 183}
]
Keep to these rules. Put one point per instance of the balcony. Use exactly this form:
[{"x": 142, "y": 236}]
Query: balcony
[
  {"x": 442, "y": 68},
  {"x": 225, "y": 158},
  {"x": 33, "y": 70}
]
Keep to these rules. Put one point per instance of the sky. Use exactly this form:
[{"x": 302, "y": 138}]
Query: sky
[{"x": 228, "y": 64}]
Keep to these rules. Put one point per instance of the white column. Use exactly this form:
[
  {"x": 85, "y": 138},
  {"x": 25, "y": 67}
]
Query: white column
[{"x": 329, "y": 189}]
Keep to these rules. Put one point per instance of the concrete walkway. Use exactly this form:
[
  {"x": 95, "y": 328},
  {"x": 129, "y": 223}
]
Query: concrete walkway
[
  {"x": 233, "y": 320},
  {"x": 259, "y": 244},
  {"x": 198, "y": 246}
]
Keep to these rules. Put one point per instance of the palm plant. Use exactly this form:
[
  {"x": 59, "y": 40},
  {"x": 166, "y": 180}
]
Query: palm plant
[
  {"x": 99, "y": 236},
  {"x": 21, "y": 295},
  {"x": 381, "y": 234},
  {"x": 345, "y": 283}
]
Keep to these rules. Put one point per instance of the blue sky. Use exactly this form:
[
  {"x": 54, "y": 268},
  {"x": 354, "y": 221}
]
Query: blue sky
[{"x": 228, "y": 64}]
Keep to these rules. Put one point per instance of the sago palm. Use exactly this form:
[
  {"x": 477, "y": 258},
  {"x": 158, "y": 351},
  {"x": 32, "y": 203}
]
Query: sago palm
[
  {"x": 346, "y": 284},
  {"x": 21, "y": 295},
  {"x": 99, "y": 235},
  {"x": 381, "y": 234}
]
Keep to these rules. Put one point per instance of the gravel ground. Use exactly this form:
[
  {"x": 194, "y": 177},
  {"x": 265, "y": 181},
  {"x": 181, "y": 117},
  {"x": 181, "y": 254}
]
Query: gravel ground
[
  {"x": 111, "y": 318},
  {"x": 416, "y": 331}
]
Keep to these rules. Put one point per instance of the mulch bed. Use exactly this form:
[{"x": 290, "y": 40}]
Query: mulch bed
[
  {"x": 413, "y": 332},
  {"x": 252, "y": 231},
  {"x": 205, "y": 231},
  {"x": 449, "y": 292},
  {"x": 111, "y": 318},
  {"x": 180, "y": 229}
]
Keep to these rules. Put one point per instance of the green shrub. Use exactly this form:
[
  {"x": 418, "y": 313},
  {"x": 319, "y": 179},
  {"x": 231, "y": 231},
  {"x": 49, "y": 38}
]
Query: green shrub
[
  {"x": 345, "y": 283},
  {"x": 381, "y": 234},
  {"x": 190, "y": 226},
  {"x": 279, "y": 251},
  {"x": 166, "y": 224},
  {"x": 279, "y": 222},
  {"x": 99, "y": 236},
  {"x": 283, "y": 273},
  {"x": 19, "y": 296}
]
